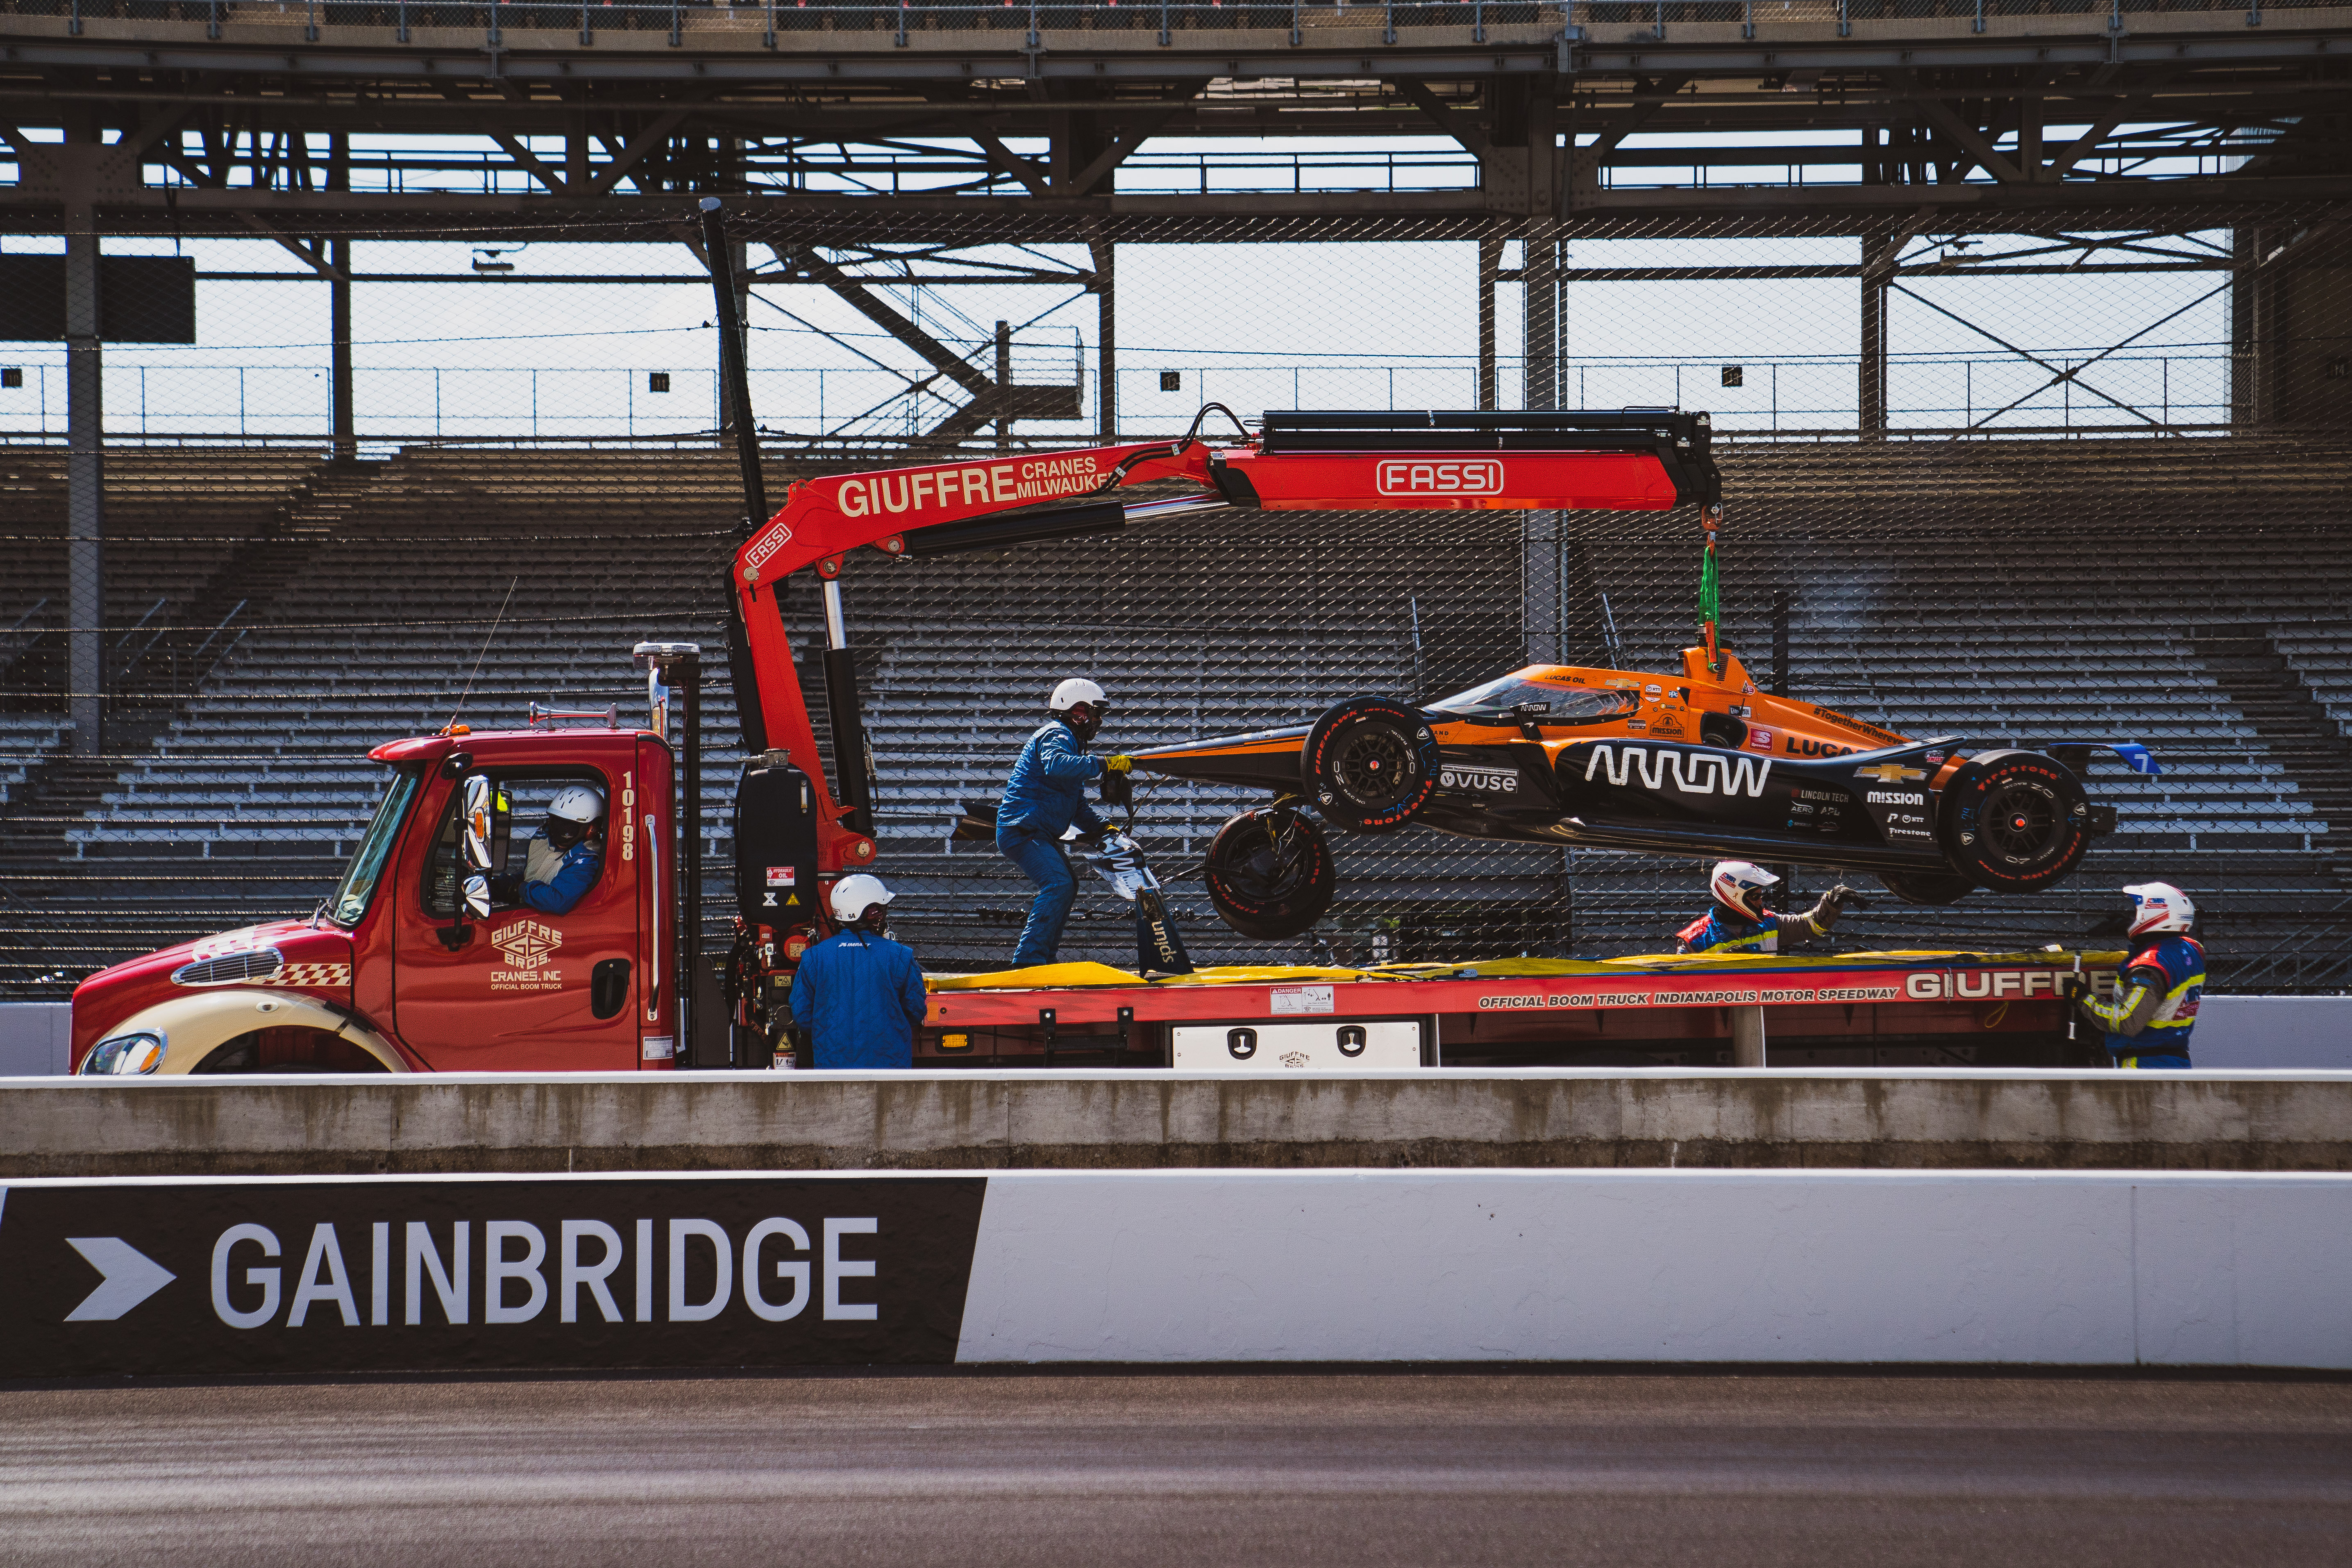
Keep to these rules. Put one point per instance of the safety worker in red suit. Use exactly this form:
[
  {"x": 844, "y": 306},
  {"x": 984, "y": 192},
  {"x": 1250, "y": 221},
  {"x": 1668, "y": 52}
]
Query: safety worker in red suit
[
  {"x": 1044, "y": 797},
  {"x": 1740, "y": 923},
  {"x": 859, "y": 995},
  {"x": 2154, "y": 1010}
]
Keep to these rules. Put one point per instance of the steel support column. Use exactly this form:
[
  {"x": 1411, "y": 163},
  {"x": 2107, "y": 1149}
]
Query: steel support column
[
  {"x": 85, "y": 461},
  {"x": 1003, "y": 386},
  {"x": 1539, "y": 313},
  {"x": 1490, "y": 262},
  {"x": 1872, "y": 400},
  {"x": 339, "y": 334},
  {"x": 1539, "y": 566},
  {"x": 1106, "y": 260}
]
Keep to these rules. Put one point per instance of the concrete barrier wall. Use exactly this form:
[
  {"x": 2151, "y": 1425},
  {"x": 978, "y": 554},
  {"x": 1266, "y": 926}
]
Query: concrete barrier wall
[
  {"x": 1011, "y": 1120},
  {"x": 36, "y": 1039},
  {"x": 134, "y": 1277},
  {"x": 2303, "y": 1032}
]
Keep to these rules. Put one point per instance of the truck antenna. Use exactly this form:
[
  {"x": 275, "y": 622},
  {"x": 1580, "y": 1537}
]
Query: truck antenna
[{"x": 450, "y": 728}]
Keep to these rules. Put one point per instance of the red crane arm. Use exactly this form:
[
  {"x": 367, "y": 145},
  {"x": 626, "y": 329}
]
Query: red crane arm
[
  {"x": 1351, "y": 462},
  {"x": 823, "y": 519}
]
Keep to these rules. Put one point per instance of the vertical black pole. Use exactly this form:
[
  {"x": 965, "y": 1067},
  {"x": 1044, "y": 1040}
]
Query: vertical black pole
[
  {"x": 339, "y": 334},
  {"x": 1105, "y": 260},
  {"x": 1781, "y": 643},
  {"x": 689, "y": 867},
  {"x": 1490, "y": 262},
  {"x": 732, "y": 370},
  {"x": 1876, "y": 266},
  {"x": 736, "y": 376},
  {"x": 85, "y": 463},
  {"x": 1003, "y": 386}
]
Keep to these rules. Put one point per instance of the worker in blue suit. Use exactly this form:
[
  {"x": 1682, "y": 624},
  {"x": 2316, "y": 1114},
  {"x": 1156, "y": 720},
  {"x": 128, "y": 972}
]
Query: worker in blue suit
[
  {"x": 1044, "y": 798},
  {"x": 2148, "y": 1023},
  {"x": 859, "y": 994}
]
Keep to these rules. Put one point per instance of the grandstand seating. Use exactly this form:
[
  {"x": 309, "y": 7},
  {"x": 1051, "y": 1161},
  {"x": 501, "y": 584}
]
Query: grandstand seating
[{"x": 2024, "y": 592}]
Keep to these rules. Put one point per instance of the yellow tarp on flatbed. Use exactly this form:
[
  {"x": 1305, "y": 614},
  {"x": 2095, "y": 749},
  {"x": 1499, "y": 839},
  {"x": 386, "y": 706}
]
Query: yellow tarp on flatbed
[{"x": 1068, "y": 976}]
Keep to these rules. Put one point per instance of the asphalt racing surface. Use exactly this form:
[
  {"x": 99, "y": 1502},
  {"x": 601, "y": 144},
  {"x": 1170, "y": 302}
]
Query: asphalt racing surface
[{"x": 1295, "y": 1470}]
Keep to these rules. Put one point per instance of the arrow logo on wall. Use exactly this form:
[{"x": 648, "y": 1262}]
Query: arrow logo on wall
[{"x": 131, "y": 1277}]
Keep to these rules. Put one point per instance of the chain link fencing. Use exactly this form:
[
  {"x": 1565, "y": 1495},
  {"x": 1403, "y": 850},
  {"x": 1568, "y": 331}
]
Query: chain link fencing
[{"x": 2027, "y": 487}]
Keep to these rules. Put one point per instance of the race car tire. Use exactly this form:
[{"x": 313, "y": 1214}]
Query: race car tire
[
  {"x": 1927, "y": 887},
  {"x": 1270, "y": 872},
  {"x": 2014, "y": 822},
  {"x": 1371, "y": 764}
]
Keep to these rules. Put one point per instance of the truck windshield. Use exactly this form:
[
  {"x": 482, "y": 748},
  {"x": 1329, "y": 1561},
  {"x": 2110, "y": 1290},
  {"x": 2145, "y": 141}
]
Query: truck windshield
[
  {"x": 1558, "y": 704},
  {"x": 350, "y": 899}
]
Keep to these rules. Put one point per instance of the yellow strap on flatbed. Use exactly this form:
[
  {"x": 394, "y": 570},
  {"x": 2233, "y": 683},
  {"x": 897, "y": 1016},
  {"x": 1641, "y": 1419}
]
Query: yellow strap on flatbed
[{"x": 1067, "y": 976}]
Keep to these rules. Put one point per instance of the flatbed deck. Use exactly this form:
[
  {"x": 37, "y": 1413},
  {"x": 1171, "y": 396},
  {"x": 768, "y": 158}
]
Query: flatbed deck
[{"x": 1862, "y": 1009}]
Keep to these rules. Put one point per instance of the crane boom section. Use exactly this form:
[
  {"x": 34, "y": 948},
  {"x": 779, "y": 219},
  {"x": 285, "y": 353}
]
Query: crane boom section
[{"x": 1407, "y": 462}]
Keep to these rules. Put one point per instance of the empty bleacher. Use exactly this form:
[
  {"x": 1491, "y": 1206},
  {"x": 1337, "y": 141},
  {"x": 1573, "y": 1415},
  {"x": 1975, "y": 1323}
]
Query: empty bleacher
[{"x": 2024, "y": 592}]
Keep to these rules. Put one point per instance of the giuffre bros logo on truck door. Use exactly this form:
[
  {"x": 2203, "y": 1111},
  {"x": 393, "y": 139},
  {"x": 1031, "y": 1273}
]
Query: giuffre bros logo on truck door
[{"x": 529, "y": 947}]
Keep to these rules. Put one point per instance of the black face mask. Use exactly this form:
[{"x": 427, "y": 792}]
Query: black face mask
[
  {"x": 1084, "y": 732},
  {"x": 562, "y": 833}
]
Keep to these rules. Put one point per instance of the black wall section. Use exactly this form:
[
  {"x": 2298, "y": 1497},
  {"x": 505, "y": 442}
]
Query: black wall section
[
  {"x": 368, "y": 1275},
  {"x": 140, "y": 299}
]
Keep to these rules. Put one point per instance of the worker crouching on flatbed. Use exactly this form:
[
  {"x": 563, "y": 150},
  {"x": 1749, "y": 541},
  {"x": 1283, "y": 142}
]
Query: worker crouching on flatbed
[
  {"x": 1044, "y": 797},
  {"x": 2148, "y": 1023},
  {"x": 859, "y": 994},
  {"x": 1740, "y": 924}
]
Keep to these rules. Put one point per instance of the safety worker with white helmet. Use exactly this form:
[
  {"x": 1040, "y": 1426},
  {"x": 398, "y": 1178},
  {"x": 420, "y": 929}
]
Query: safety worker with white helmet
[
  {"x": 1044, "y": 797},
  {"x": 1740, "y": 923},
  {"x": 2148, "y": 1023},
  {"x": 858, "y": 994},
  {"x": 560, "y": 861}
]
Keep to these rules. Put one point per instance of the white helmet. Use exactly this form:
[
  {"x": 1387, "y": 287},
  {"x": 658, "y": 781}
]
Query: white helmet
[
  {"x": 1072, "y": 692},
  {"x": 1739, "y": 885},
  {"x": 575, "y": 809},
  {"x": 577, "y": 803},
  {"x": 2159, "y": 907},
  {"x": 851, "y": 896}
]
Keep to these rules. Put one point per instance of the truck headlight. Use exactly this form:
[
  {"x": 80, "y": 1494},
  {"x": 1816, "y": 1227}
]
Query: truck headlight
[{"x": 124, "y": 1054}]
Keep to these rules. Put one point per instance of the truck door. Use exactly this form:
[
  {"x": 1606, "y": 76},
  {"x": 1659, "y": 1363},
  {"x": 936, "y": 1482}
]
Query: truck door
[{"x": 528, "y": 987}]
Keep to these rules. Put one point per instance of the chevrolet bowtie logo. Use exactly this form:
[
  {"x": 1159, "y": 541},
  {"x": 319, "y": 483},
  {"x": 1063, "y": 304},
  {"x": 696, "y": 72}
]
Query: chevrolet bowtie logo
[{"x": 1890, "y": 772}]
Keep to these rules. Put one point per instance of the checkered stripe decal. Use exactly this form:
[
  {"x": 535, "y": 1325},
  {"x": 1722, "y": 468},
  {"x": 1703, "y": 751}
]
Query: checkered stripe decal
[{"x": 338, "y": 974}]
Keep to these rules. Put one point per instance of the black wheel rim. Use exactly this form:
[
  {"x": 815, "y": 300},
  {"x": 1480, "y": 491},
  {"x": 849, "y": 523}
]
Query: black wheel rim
[
  {"x": 1374, "y": 767},
  {"x": 2019, "y": 822},
  {"x": 1270, "y": 865}
]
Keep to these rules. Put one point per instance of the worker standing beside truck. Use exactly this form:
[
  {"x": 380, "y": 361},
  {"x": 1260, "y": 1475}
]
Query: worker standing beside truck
[
  {"x": 2148, "y": 1023},
  {"x": 1740, "y": 924},
  {"x": 1044, "y": 798},
  {"x": 859, "y": 994}
]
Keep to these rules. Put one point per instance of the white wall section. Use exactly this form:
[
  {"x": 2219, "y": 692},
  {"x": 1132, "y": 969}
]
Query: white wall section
[{"x": 2081, "y": 1268}]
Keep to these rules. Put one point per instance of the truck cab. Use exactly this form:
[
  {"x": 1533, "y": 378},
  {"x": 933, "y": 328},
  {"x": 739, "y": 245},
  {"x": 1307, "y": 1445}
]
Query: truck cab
[{"x": 429, "y": 956}]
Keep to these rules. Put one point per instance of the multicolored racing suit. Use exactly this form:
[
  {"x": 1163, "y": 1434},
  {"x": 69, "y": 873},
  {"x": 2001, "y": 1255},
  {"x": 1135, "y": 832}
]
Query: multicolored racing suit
[
  {"x": 2155, "y": 1009},
  {"x": 1722, "y": 930}
]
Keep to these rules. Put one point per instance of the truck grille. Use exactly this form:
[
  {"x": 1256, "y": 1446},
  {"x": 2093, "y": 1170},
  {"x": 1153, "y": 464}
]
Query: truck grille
[{"x": 256, "y": 963}]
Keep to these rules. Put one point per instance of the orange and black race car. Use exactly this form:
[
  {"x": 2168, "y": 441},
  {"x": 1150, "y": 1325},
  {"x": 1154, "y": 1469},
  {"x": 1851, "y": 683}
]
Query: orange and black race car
[{"x": 1696, "y": 763}]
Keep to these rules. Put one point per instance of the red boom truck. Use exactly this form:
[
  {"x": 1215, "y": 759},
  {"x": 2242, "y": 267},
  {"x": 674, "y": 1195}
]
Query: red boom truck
[{"x": 410, "y": 965}]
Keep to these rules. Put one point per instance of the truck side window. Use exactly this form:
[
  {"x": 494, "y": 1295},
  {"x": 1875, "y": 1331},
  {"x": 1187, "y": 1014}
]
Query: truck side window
[{"x": 523, "y": 800}]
